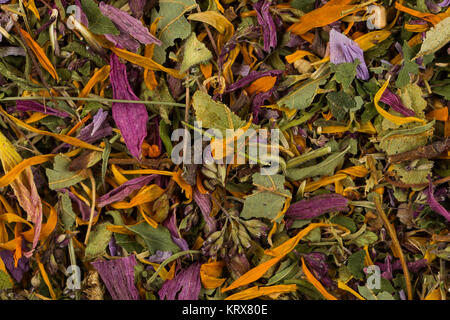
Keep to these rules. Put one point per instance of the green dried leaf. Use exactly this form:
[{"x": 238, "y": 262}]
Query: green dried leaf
[
  {"x": 443, "y": 91},
  {"x": 436, "y": 38},
  {"x": 265, "y": 204},
  {"x": 5, "y": 281},
  {"x": 98, "y": 241},
  {"x": 324, "y": 168},
  {"x": 340, "y": 103},
  {"x": 416, "y": 175},
  {"x": 125, "y": 241},
  {"x": 61, "y": 177},
  {"x": 155, "y": 239},
  {"x": 409, "y": 66},
  {"x": 98, "y": 23},
  {"x": 214, "y": 114},
  {"x": 411, "y": 96},
  {"x": 68, "y": 217},
  {"x": 195, "y": 52},
  {"x": 173, "y": 25},
  {"x": 302, "y": 97},
  {"x": 345, "y": 73},
  {"x": 365, "y": 239},
  {"x": 356, "y": 264},
  {"x": 346, "y": 222}
]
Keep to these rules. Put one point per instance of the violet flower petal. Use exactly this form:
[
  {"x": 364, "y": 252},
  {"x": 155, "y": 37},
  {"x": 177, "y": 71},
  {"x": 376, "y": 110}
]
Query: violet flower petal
[
  {"x": 252, "y": 76},
  {"x": 171, "y": 225},
  {"x": 395, "y": 103},
  {"x": 137, "y": 8},
  {"x": 159, "y": 256},
  {"x": 97, "y": 129},
  {"x": 118, "y": 276},
  {"x": 85, "y": 210},
  {"x": 204, "y": 203},
  {"x": 37, "y": 107},
  {"x": 267, "y": 24},
  {"x": 343, "y": 49},
  {"x": 434, "y": 204},
  {"x": 124, "y": 190},
  {"x": 22, "y": 265},
  {"x": 318, "y": 265},
  {"x": 131, "y": 29},
  {"x": 318, "y": 205},
  {"x": 184, "y": 286},
  {"x": 130, "y": 118}
]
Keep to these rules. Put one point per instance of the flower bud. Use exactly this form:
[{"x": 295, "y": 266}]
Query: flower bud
[{"x": 302, "y": 66}]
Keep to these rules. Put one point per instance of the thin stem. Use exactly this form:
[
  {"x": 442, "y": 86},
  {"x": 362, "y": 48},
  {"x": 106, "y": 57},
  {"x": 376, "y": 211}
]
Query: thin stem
[
  {"x": 395, "y": 244},
  {"x": 169, "y": 260},
  {"x": 308, "y": 156},
  {"x": 91, "y": 217},
  {"x": 93, "y": 99}
]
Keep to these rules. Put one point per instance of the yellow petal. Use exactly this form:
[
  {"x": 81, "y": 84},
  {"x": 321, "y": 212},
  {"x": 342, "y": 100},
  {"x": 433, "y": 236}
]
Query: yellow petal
[
  {"x": 147, "y": 194},
  {"x": 215, "y": 19},
  {"x": 343, "y": 286},
  {"x": 64, "y": 138},
  {"x": 255, "y": 292},
  {"x": 395, "y": 119},
  {"x": 99, "y": 76},
  {"x": 40, "y": 54},
  {"x": 316, "y": 283}
]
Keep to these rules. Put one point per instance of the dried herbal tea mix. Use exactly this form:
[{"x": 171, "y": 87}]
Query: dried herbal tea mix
[{"x": 224, "y": 150}]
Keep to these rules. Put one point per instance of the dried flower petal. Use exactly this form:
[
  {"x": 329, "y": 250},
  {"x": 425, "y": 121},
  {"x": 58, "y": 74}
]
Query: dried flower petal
[
  {"x": 130, "y": 118},
  {"x": 118, "y": 276},
  {"x": 318, "y": 205},
  {"x": 185, "y": 286}
]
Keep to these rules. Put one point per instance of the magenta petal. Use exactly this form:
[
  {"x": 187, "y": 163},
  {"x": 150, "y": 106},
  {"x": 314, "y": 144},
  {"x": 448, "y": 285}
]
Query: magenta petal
[
  {"x": 186, "y": 284},
  {"x": 396, "y": 104},
  {"x": 343, "y": 49},
  {"x": 318, "y": 205},
  {"x": 37, "y": 107},
  {"x": 124, "y": 190},
  {"x": 434, "y": 204},
  {"x": 266, "y": 22},
  {"x": 132, "y": 32},
  {"x": 204, "y": 203},
  {"x": 118, "y": 276},
  {"x": 252, "y": 76},
  {"x": 130, "y": 118}
]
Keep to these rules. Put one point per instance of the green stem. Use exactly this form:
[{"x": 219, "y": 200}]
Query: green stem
[
  {"x": 92, "y": 99},
  {"x": 169, "y": 260},
  {"x": 298, "y": 121},
  {"x": 308, "y": 156}
]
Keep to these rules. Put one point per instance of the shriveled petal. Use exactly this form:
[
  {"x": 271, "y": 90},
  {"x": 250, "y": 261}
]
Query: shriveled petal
[
  {"x": 130, "y": 118},
  {"x": 37, "y": 107},
  {"x": 118, "y": 276},
  {"x": 187, "y": 283},
  {"x": 265, "y": 20},
  {"x": 318, "y": 205}
]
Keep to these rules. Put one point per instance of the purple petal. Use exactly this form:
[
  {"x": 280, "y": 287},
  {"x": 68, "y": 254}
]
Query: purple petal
[
  {"x": 171, "y": 224},
  {"x": 97, "y": 129},
  {"x": 22, "y": 265},
  {"x": 130, "y": 118},
  {"x": 83, "y": 17},
  {"x": 396, "y": 104},
  {"x": 132, "y": 32},
  {"x": 37, "y": 107},
  {"x": 85, "y": 210},
  {"x": 318, "y": 205},
  {"x": 343, "y": 49},
  {"x": 444, "y": 3},
  {"x": 258, "y": 101},
  {"x": 159, "y": 256},
  {"x": 118, "y": 276},
  {"x": 184, "y": 286},
  {"x": 124, "y": 190},
  {"x": 434, "y": 204},
  {"x": 252, "y": 76},
  {"x": 266, "y": 22},
  {"x": 204, "y": 203},
  {"x": 137, "y": 7},
  {"x": 317, "y": 262}
]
